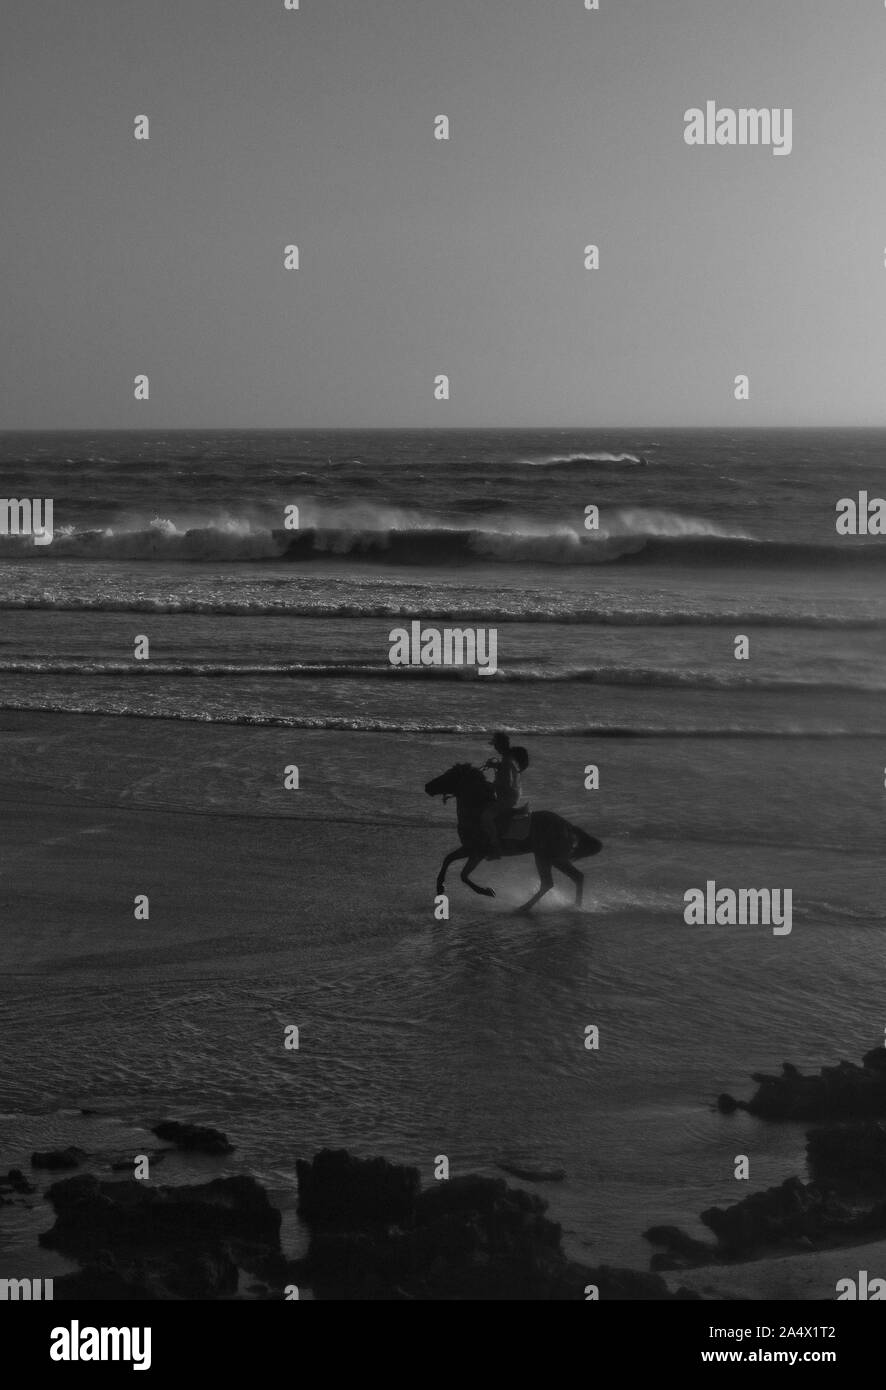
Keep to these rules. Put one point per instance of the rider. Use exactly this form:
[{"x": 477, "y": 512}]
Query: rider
[{"x": 506, "y": 788}]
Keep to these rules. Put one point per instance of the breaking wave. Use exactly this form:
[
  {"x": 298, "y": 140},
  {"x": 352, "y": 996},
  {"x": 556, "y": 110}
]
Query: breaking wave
[
  {"x": 567, "y": 460},
  {"x": 558, "y": 610},
  {"x": 628, "y": 535},
  {"x": 368, "y": 724},
  {"x": 646, "y": 676}
]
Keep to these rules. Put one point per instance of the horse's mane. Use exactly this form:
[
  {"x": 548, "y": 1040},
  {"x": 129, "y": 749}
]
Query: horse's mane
[{"x": 469, "y": 768}]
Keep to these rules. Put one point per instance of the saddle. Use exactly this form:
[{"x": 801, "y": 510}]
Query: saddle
[{"x": 515, "y": 824}]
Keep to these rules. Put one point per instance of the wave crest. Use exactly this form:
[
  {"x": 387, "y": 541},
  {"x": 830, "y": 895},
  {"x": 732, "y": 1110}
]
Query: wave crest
[{"x": 629, "y": 535}]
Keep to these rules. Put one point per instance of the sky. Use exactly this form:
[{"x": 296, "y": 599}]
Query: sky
[{"x": 420, "y": 257}]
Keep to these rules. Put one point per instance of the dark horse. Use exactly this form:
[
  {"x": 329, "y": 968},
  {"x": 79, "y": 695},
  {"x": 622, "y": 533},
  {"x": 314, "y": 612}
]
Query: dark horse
[{"x": 554, "y": 842}]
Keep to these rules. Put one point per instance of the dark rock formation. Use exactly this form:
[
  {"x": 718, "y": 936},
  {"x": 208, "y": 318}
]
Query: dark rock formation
[
  {"x": 780, "y": 1215},
  {"x": 683, "y": 1251},
  {"x": 57, "y": 1159},
  {"x": 15, "y": 1181},
  {"x": 194, "y": 1138},
  {"x": 795, "y": 1216},
  {"x": 845, "y": 1091},
  {"x": 93, "y": 1215},
  {"x": 727, "y": 1104},
  {"x": 470, "y": 1238},
  {"x": 850, "y": 1159},
  {"x": 160, "y": 1242},
  {"x": 845, "y": 1160},
  {"x": 339, "y": 1192},
  {"x": 204, "y": 1275}
]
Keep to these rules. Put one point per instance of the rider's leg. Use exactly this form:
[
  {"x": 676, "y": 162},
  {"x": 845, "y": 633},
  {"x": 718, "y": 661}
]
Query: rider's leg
[{"x": 490, "y": 830}]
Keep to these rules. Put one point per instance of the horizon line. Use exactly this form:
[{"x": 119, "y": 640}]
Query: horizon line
[{"x": 413, "y": 429}]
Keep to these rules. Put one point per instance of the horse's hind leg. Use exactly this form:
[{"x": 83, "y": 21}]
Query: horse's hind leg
[
  {"x": 460, "y": 853},
  {"x": 546, "y": 883},
  {"x": 468, "y": 869},
  {"x": 575, "y": 874}
]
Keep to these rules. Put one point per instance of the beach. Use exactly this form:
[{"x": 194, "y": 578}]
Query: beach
[{"x": 271, "y": 906}]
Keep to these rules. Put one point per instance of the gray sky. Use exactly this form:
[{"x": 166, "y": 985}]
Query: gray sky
[{"x": 420, "y": 257}]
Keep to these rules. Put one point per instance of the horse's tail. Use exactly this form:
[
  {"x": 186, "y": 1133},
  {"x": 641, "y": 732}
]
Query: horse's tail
[{"x": 582, "y": 845}]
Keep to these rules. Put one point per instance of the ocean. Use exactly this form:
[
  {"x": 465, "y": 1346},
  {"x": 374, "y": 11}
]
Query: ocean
[{"x": 270, "y": 647}]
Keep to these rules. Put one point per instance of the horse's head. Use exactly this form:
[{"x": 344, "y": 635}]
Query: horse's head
[{"x": 460, "y": 780}]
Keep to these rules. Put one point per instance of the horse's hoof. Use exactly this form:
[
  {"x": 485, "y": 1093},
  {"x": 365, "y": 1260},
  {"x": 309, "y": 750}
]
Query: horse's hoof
[{"x": 488, "y": 892}]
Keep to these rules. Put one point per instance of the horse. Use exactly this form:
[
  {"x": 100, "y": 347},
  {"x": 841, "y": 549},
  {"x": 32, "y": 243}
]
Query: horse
[{"x": 554, "y": 841}]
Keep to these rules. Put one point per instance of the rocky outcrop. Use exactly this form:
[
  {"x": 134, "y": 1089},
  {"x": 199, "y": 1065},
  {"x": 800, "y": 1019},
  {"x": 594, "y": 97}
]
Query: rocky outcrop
[
  {"x": 469, "y": 1237},
  {"x": 374, "y": 1234},
  {"x": 794, "y": 1213},
  {"x": 15, "y": 1184},
  {"x": 58, "y": 1159},
  {"x": 845, "y": 1091},
  {"x": 849, "y": 1159},
  {"x": 193, "y": 1138},
  {"x": 161, "y": 1242},
  {"x": 680, "y": 1251},
  {"x": 200, "y": 1275},
  {"x": 92, "y": 1215},
  {"x": 339, "y": 1192},
  {"x": 795, "y": 1216}
]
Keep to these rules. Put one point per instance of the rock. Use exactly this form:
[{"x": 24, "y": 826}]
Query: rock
[
  {"x": 872, "y": 1222},
  {"x": 338, "y": 1191},
  {"x": 15, "y": 1181},
  {"x": 194, "y": 1138},
  {"x": 93, "y": 1215},
  {"x": 845, "y": 1091},
  {"x": 200, "y": 1276},
  {"x": 848, "y": 1158},
  {"x": 788, "y": 1214},
  {"x": 56, "y": 1159},
  {"x": 489, "y": 1197},
  {"x": 795, "y": 1216},
  {"x": 727, "y": 1104},
  {"x": 137, "y": 1241},
  {"x": 470, "y": 1238}
]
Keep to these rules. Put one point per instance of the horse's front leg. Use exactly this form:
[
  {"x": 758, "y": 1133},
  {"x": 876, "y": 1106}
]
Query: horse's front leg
[
  {"x": 460, "y": 853},
  {"x": 468, "y": 869}
]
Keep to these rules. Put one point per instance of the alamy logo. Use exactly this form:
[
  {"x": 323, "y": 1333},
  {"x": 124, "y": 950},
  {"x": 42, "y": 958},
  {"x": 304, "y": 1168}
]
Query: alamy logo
[
  {"x": 27, "y": 517},
  {"x": 746, "y": 126},
  {"x": 453, "y": 646},
  {"x": 725, "y": 907},
  {"x": 76, "y": 1343},
  {"x": 865, "y": 1291},
  {"x": 38, "y": 1290},
  {"x": 864, "y": 517}
]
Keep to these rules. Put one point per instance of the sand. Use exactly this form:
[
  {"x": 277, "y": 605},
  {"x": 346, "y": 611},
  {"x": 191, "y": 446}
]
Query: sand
[{"x": 800, "y": 1277}]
